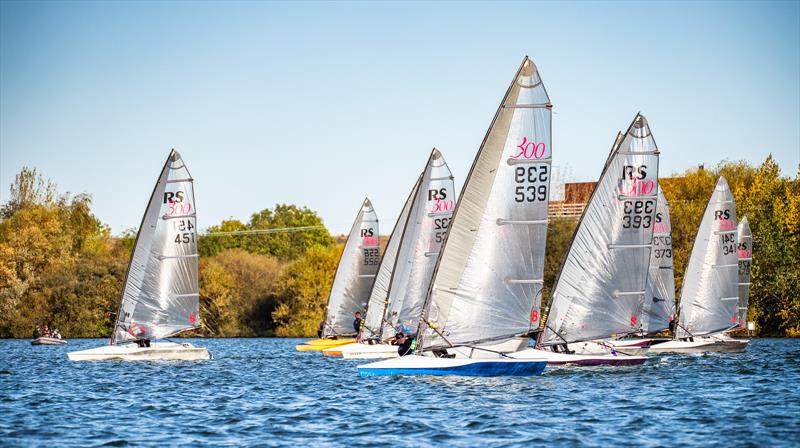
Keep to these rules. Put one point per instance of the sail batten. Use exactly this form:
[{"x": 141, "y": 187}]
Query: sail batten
[
  {"x": 160, "y": 296},
  {"x": 600, "y": 288},
  {"x": 355, "y": 274},
  {"x": 709, "y": 277},
  {"x": 496, "y": 233}
]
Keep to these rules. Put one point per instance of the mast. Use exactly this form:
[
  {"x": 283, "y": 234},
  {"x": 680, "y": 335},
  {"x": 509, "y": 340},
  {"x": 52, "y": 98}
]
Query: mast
[
  {"x": 487, "y": 281},
  {"x": 602, "y": 281}
]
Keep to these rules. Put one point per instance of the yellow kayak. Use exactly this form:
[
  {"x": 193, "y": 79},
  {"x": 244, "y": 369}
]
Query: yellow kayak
[{"x": 318, "y": 345}]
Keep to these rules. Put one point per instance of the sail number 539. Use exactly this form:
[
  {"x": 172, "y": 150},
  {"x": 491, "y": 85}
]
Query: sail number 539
[{"x": 533, "y": 180}]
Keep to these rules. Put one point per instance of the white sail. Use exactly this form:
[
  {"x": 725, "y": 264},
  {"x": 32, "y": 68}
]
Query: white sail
[
  {"x": 488, "y": 280},
  {"x": 745, "y": 251},
  {"x": 160, "y": 295},
  {"x": 659, "y": 301},
  {"x": 710, "y": 296},
  {"x": 354, "y": 275},
  {"x": 602, "y": 281},
  {"x": 421, "y": 243},
  {"x": 378, "y": 298}
]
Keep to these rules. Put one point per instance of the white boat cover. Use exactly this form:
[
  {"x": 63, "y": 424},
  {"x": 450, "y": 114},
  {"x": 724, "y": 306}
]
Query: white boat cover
[
  {"x": 355, "y": 274},
  {"x": 378, "y": 297},
  {"x": 599, "y": 292},
  {"x": 421, "y": 242},
  {"x": 488, "y": 281},
  {"x": 659, "y": 301},
  {"x": 745, "y": 264},
  {"x": 710, "y": 297},
  {"x": 160, "y": 295}
]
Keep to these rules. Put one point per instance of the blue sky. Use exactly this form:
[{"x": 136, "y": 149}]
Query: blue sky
[{"x": 320, "y": 104}]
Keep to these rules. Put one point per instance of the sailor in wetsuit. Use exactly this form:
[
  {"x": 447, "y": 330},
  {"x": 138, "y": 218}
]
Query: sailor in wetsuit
[
  {"x": 357, "y": 322},
  {"x": 404, "y": 344}
]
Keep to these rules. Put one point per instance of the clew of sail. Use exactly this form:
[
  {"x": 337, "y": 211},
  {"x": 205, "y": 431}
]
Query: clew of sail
[
  {"x": 745, "y": 251},
  {"x": 160, "y": 296},
  {"x": 421, "y": 242},
  {"x": 355, "y": 274},
  {"x": 599, "y": 292},
  {"x": 710, "y": 297},
  {"x": 659, "y": 301},
  {"x": 378, "y": 298},
  {"x": 488, "y": 280}
]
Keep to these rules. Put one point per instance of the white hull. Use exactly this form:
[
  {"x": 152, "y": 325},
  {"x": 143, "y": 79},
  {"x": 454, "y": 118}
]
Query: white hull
[
  {"x": 560, "y": 359},
  {"x": 703, "y": 345},
  {"x": 429, "y": 365},
  {"x": 48, "y": 341},
  {"x": 635, "y": 347},
  {"x": 131, "y": 352},
  {"x": 358, "y": 350}
]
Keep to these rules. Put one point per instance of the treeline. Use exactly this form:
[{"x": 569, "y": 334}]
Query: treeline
[{"x": 59, "y": 264}]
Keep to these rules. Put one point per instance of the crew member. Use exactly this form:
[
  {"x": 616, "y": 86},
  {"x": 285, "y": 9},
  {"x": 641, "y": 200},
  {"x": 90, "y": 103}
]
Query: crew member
[{"x": 357, "y": 322}]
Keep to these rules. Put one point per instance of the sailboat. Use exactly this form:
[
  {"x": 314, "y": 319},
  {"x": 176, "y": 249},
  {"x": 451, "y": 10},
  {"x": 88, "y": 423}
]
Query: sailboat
[
  {"x": 352, "y": 282},
  {"x": 745, "y": 252},
  {"x": 486, "y": 288},
  {"x": 160, "y": 296},
  {"x": 710, "y": 294},
  {"x": 407, "y": 265},
  {"x": 599, "y": 291}
]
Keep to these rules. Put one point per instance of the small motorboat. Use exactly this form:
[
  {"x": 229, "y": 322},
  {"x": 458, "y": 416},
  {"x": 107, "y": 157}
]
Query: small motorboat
[
  {"x": 48, "y": 341},
  {"x": 169, "y": 351},
  {"x": 430, "y": 365}
]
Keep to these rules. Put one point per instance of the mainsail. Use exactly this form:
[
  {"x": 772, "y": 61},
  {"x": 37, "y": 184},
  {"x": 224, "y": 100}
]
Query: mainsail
[
  {"x": 659, "y": 300},
  {"x": 160, "y": 296},
  {"x": 602, "y": 281},
  {"x": 420, "y": 245},
  {"x": 710, "y": 297},
  {"x": 378, "y": 298},
  {"x": 355, "y": 274},
  {"x": 488, "y": 280},
  {"x": 745, "y": 247}
]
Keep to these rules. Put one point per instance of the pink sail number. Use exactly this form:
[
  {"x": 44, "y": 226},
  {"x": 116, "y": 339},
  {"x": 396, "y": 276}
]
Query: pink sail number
[
  {"x": 727, "y": 224},
  {"x": 442, "y": 206},
  {"x": 177, "y": 208},
  {"x": 637, "y": 187},
  {"x": 530, "y": 150}
]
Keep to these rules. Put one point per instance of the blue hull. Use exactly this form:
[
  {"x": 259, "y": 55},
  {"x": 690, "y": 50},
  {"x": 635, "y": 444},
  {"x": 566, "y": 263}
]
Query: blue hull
[{"x": 476, "y": 369}]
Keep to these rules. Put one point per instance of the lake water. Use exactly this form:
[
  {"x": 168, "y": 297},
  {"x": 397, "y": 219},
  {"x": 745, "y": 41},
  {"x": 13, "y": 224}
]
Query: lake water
[{"x": 263, "y": 392}]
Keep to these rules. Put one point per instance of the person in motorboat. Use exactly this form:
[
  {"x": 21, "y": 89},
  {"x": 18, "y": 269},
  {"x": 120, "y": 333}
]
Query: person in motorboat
[
  {"x": 357, "y": 322},
  {"x": 46, "y": 331},
  {"x": 37, "y": 333},
  {"x": 56, "y": 333}
]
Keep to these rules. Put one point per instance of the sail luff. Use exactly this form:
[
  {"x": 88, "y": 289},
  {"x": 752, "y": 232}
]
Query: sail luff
[
  {"x": 659, "y": 302},
  {"x": 378, "y": 300},
  {"x": 710, "y": 296},
  {"x": 600, "y": 287},
  {"x": 487, "y": 281}
]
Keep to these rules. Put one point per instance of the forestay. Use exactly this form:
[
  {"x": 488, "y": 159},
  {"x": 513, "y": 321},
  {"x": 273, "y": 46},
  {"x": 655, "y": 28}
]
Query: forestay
[
  {"x": 745, "y": 250},
  {"x": 378, "y": 298},
  {"x": 599, "y": 292},
  {"x": 488, "y": 281},
  {"x": 355, "y": 274},
  {"x": 710, "y": 297},
  {"x": 421, "y": 242},
  {"x": 160, "y": 296},
  {"x": 659, "y": 300}
]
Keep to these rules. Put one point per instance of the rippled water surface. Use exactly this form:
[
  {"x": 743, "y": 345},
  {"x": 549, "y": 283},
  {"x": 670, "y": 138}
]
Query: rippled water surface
[{"x": 261, "y": 391}]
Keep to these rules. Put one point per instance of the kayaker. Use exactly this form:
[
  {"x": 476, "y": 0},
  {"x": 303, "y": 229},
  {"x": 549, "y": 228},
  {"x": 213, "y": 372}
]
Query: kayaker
[{"x": 357, "y": 322}]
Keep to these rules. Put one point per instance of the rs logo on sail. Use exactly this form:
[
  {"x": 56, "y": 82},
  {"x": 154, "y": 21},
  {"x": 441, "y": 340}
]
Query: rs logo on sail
[{"x": 171, "y": 198}]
